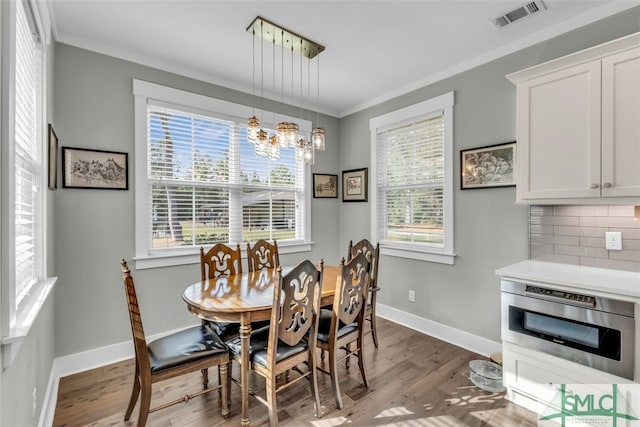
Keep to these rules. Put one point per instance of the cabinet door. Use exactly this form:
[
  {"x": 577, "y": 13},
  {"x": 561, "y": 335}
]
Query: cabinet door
[
  {"x": 621, "y": 124},
  {"x": 559, "y": 134}
]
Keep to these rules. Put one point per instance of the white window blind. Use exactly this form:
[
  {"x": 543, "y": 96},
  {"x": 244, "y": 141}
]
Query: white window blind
[
  {"x": 206, "y": 185},
  {"x": 27, "y": 154},
  {"x": 410, "y": 182},
  {"x": 412, "y": 158}
]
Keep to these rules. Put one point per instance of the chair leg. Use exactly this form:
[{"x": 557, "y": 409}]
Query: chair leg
[
  {"x": 360, "y": 343},
  {"x": 229, "y": 373},
  {"x": 348, "y": 358},
  {"x": 205, "y": 378},
  {"x": 314, "y": 382},
  {"x": 135, "y": 392},
  {"x": 271, "y": 400},
  {"x": 374, "y": 328},
  {"x": 333, "y": 371},
  {"x": 223, "y": 371},
  {"x": 145, "y": 403}
]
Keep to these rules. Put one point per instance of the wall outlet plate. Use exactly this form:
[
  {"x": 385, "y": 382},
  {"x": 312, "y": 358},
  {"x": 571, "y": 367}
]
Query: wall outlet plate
[
  {"x": 613, "y": 240},
  {"x": 412, "y": 296}
]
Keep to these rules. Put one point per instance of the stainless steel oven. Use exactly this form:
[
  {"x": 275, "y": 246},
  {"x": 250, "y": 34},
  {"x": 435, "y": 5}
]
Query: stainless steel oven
[{"x": 589, "y": 330}]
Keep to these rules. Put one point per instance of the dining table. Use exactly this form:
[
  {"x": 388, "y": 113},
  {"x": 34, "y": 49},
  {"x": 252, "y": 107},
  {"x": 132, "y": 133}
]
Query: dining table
[{"x": 245, "y": 298}]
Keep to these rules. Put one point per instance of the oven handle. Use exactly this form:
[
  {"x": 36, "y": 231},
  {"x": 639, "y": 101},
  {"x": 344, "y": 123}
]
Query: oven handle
[{"x": 560, "y": 300}]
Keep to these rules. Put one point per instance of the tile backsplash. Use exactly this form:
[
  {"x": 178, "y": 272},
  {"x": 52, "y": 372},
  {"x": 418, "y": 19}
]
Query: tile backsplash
[{"x": 575, "y": 235}]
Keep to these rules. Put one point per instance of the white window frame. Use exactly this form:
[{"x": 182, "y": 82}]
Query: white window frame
[
  {"x": 145, "y": 92},
  {"x": 444, "y": 104},
  {"x": 16, "y": 319}
]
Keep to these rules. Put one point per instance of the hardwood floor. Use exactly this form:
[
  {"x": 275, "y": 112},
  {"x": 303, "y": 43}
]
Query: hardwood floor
[{"x": 414, "y": 380}]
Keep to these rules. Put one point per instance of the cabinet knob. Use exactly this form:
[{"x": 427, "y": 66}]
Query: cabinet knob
[
  {"x": 594, "y": 186},
  {"x": 607, "y": 185}
]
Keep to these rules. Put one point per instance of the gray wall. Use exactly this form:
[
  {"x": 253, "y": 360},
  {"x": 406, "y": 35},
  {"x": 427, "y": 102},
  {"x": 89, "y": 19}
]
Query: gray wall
[
  {"x": 490, "y": 230},
  {"x": 32, "y": 366},
  {"x": 94, "y": 109}
]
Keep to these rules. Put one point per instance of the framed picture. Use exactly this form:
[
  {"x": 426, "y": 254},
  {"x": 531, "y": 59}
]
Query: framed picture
[
  {"x": 83, "y": 168},
  {"x": 354, "y": 185},
  {"x": 53, "y": 159},
  {"x": 325, "y": 186},
  {"x": 490, "y": 166}
]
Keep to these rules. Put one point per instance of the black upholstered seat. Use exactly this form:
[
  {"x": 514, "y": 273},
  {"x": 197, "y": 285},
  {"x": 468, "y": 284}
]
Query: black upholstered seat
[
  {"x": 324, "y": 326},
  {"x": 258, "y": 348},
  {"x": 195, "y": 343}
]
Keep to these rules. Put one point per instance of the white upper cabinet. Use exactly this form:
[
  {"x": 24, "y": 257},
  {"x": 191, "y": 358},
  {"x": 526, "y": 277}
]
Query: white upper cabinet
[{"x": 578, "y": 127}]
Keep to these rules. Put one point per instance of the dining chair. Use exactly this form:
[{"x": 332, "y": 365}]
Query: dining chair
[
  {"x": 343, "y": 325},
  {"x": 262, "y": 255},
  {"x": 367, "y": 248},
  {"x": 221, "y": 260},
  {"x": 290, "y": 344},
  {"x": 190, "y": 350}
]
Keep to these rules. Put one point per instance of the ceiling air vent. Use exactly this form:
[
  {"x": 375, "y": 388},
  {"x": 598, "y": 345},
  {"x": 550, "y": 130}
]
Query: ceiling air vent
[{"x": 521, "y": 12}]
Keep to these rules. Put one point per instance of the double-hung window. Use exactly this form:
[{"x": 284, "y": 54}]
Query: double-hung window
[
  {"x": 199, "y": 181},
  {"x": 412, "y": 158},
  {"x": 24, "y": 283}
]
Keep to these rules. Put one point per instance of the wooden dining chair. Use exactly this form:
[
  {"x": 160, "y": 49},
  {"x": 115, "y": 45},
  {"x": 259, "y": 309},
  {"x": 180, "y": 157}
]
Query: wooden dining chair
[
  {"x": 190, "y": 350},
  {"x": 365, "y": 247},
  {"x": 221, "y": 260},
  {"x": 290, "y": 343},
  {"x": 343, "y": 325},
  {"x": 262, "y": 255}
]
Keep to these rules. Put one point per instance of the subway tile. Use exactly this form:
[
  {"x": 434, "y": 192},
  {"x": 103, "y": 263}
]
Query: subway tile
[
  {"x": 610, "y": 221},
  {"x": 626, "y": 255},
  {"x": 610, "y": 263},
  {"x": 580, "y": 210},
  {"x": 581, "y": 251},
  {"x": 557, "y": 240},
  {"x": 560, "y": 220},
  {"x": 593, "y": 242},
  {"x": 537, "y": 250},
  {"x": 621, "y": 211},
  {"x": 579, "y": 231},
  {"x": 540, "y": 229},
  {"x": 627, "y": 233},
  {"x": 536, "y": 210},
  {"x": 630, "y": 244}
]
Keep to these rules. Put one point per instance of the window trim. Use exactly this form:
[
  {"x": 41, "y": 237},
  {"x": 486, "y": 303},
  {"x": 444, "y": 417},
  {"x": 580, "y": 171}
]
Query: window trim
[
  {"x": 144, "y": 91},
  {"x": 424, "y": 109},
  {"x": 16, "y": 322}
]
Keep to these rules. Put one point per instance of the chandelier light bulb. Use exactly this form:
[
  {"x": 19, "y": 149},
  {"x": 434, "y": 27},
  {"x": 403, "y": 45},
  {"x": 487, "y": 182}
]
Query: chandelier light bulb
[{"x": 317, "y": 136}]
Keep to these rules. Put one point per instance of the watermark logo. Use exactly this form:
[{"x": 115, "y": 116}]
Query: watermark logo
[{"x": 593, "y": 405}]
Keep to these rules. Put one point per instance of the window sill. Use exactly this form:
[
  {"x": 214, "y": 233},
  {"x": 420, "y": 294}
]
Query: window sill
[
  {"x": 175, "y": 259},
  {"x": 420, "y": 254},
  {"x": 25, "y": 318}
]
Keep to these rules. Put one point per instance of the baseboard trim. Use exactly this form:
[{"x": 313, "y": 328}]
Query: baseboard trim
[
  {"x": 466, "y": 340},
  {"x": 91, "y": 359}
]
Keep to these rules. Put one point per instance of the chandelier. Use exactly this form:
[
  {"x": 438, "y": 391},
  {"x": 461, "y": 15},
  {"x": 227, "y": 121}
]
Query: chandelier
[{"x": 287, "y": 135}]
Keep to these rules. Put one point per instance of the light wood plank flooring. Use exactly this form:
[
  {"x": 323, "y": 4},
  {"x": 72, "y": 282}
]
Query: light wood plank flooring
[{"x": 414, "y": 380}]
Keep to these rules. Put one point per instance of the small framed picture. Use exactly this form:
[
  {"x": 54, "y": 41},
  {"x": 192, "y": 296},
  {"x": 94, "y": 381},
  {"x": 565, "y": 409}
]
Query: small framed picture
[
  {"x": 325, "y": 186},
  {"x": 84, "y": 168},
  {"x": 490, "y": 166},
  {"x": 53, "y": 159},
  {"x": 355, "y": 185}
]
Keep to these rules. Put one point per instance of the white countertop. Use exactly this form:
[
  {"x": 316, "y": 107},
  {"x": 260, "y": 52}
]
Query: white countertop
[{"x": 574, "y": 276}]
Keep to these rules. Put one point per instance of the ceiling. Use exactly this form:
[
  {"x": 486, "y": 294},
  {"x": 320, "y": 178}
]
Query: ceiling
[{"x": 375, "y": 50}]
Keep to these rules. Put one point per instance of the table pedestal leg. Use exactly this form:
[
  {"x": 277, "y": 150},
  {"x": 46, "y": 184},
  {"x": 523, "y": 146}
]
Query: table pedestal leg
[{"x": 245, "y": 332}]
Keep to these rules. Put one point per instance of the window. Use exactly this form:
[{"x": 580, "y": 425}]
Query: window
[
  {"x": 24, "y": 283},
  {"x": 413, "y": 180},
  {"x": 199, "y": 182}
]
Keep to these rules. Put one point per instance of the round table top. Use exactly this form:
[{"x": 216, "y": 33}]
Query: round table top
[{"x": 247, "y": 292}]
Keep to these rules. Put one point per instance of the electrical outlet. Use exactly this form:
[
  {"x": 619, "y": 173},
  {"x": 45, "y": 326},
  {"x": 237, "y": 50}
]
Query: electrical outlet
[
  {"x": 35, "y": 402},
  {"x": 412, "y": 296},
  {"x": 613, "y": 240}
]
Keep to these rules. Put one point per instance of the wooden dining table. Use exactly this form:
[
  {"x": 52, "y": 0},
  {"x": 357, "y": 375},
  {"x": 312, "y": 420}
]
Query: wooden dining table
[{"x": 245, "y": 298}]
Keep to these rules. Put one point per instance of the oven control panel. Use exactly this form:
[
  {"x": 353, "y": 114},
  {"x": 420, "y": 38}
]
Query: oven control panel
[{"x": 565, "y": 296}]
